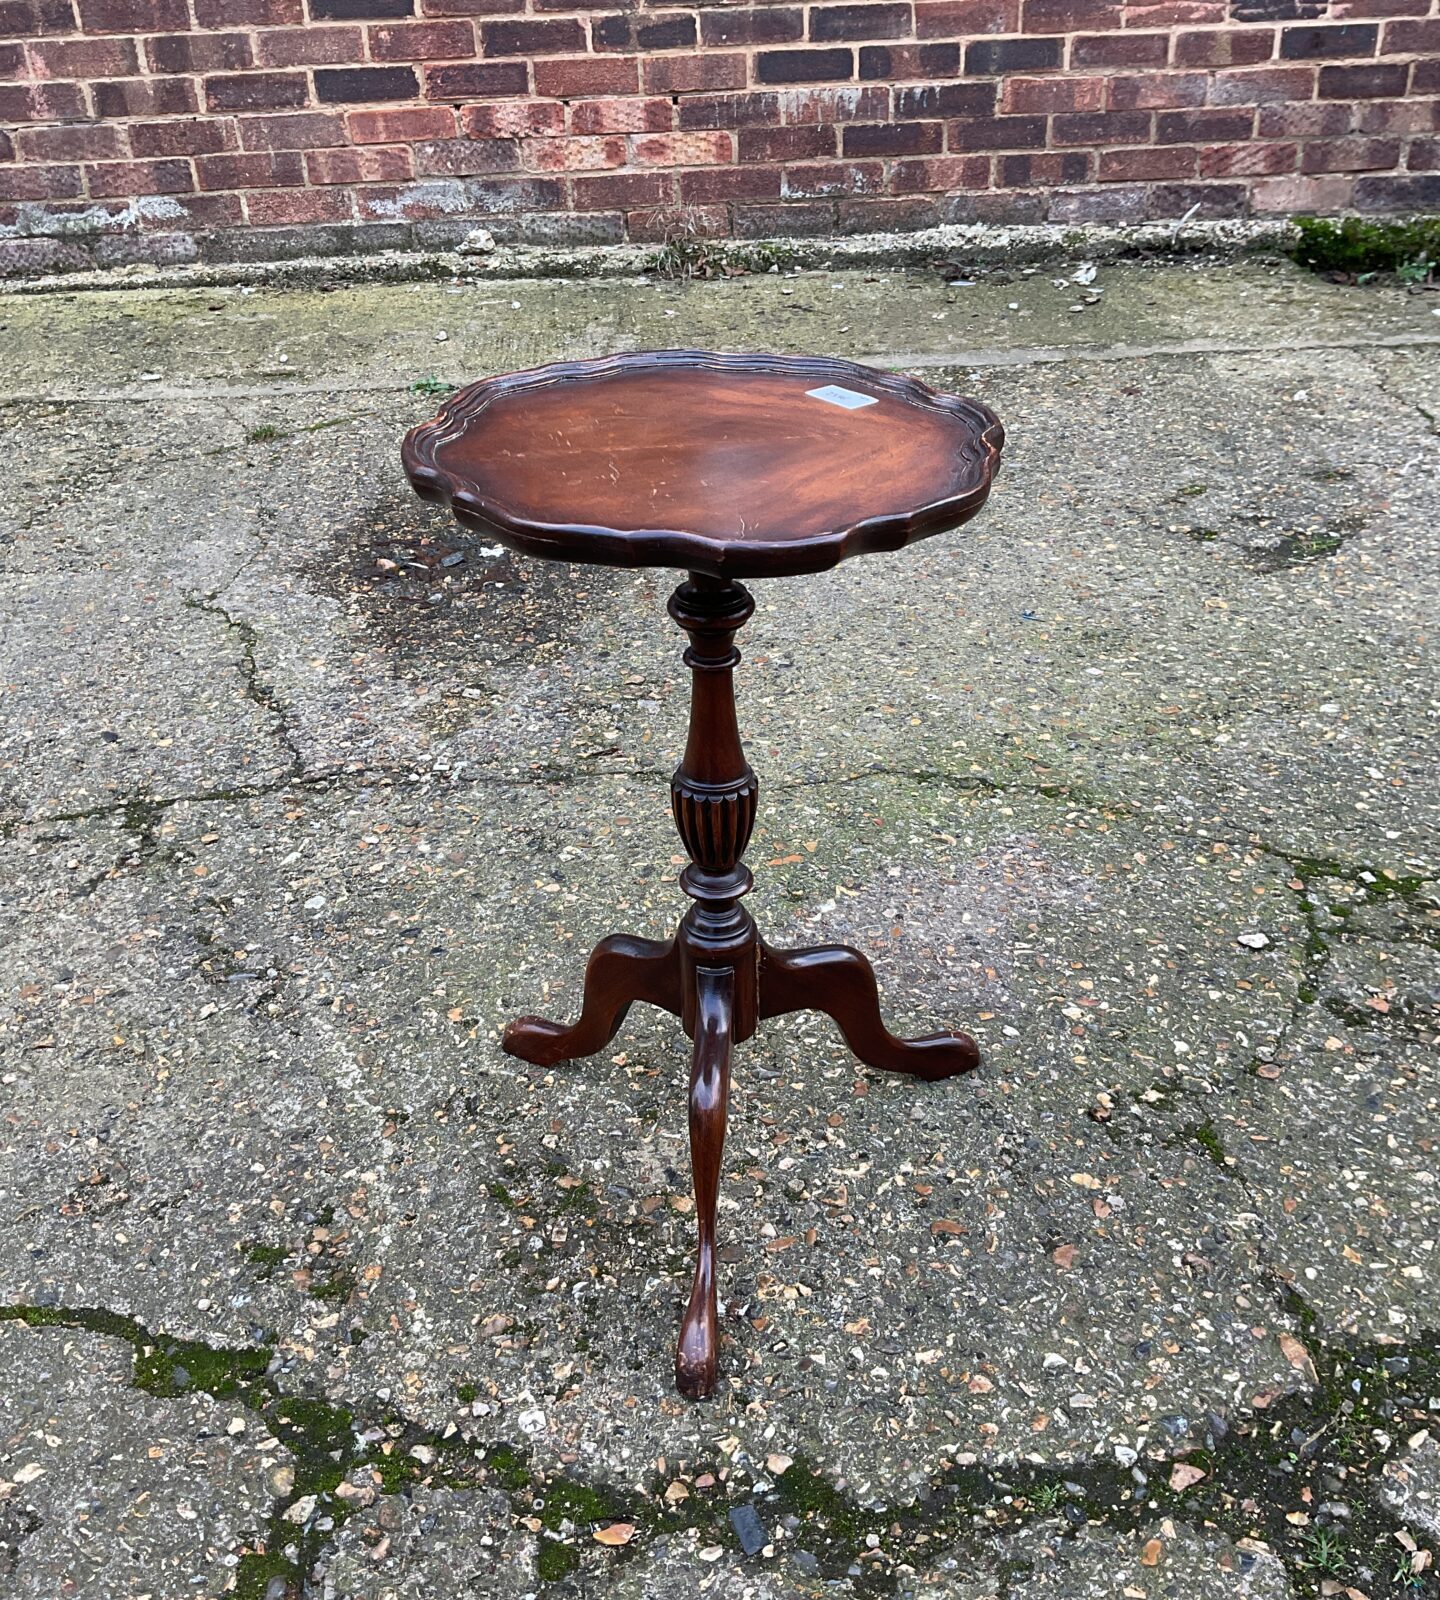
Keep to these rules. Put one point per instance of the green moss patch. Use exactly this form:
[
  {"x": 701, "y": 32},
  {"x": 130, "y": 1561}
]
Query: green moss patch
[{"x": 1409, "y": 249}]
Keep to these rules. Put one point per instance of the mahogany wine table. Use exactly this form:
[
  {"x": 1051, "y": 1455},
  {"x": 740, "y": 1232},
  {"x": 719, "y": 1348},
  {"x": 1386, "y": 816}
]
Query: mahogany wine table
[{"x": 729, "y": 467}]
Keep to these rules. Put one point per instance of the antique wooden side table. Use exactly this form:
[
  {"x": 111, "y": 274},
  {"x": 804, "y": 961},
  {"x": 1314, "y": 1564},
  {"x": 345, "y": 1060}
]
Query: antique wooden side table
[{"x": 728, "y": 466}]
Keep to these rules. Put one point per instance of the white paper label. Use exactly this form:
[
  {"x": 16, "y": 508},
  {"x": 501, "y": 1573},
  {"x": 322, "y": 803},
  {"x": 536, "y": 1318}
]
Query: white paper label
[{"x": 847, "y": 399}]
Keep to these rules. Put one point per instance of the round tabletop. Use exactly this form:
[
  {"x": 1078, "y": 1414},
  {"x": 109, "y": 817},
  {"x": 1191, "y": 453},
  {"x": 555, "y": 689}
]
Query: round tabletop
[{"x": 734, "y": 465}]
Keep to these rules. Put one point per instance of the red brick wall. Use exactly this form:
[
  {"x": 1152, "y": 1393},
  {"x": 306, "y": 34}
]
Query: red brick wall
[{"x": 153, "y": 128}]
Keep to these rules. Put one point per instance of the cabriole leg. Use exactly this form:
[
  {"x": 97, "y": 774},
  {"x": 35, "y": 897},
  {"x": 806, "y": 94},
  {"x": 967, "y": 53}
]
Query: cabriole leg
[
  {"x": 696, "y": 1355},
  {"x": 839, "y": 981}
]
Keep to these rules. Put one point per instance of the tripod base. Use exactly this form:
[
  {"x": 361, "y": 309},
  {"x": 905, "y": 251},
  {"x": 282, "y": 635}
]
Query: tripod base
[{"x": 720, "y": 985}]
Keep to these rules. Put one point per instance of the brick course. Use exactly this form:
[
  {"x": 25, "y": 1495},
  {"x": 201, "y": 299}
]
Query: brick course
[{"x": 593, "y": 119}]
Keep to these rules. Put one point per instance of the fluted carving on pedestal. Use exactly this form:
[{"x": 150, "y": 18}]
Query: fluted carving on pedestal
[{"x": 715, "y": 823}]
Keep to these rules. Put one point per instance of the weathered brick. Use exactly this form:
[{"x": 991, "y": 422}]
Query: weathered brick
[
  {"x": 630, "y": 114},
  {"x": 1045, "y": 168},
  {"x": 830, "y": 24},
  {"x": 1158, "y": 91},
  {"x": 893, "y": 139},
  {"x": 1357, "y": 154},
  {"x": 889, "y": 216},
  {"x": 1397, "y": 116},
  {"x": 346, "y": 85},
  {"x": 481, "y": 80},
  {"x": 122, "y": 179},
  {"x": 1412, "y": 38},
  {"x": 83, "y": 58},
  {"x": 185, "y": 136},
  {"x": 947, "y": 100},
  {"x": 261, "y": 169},
  {"x": 715, "y": 184},
  {"x": 1043, "y": 95},
  {"x": 729, "y": 110},
  {"x": 1142, "y": 164},
  {"x": 421, "y": 41},
  {"x": 810, "y": 181},
  {"x": 1120, "y": 203},
  {"x": 1423, "y": 155},
  {"x": 358, "y": 10},
  {"x": 1345, "y": 39},
  {"x": 836, "y": 103},
  {"x": 1120, "y": 50},
  {"x": 949, "y": 19},
  {"x": 252, "y": 13},
  {"x": 465, "y": 158},
  {"x": 753, "y": 25},
  {"x": 638, "y": 34},
  {"x": 40, "y": 182},
  {"x": 1202, "y": 200},
  {"x": 402, "y": 126},
  {"x": 694, "y": 74},
  {"x": 192, "y": 52},
  {"x": 314, "y": 130},
  {"x": 1010, "y": 207},
  {"x": 145, "y": 97},
  {"x": 32, "y": 19},
  {"x": 786, "y": 144},
  {"x": 41, "y": 102},
  {"x": 1262, "y": 86},
  {"x": 1177, "y": 13},
  {"x": 1412, "y": 192},
  {"x": 75, "y": 141},
  {"x": 901, "y": 63},
  {"x": 1203, "y": 127},
  {"x": 1425, "y": 77},
  {"x": 1297, "y": 194},
  {"x": 268, "y": 207},
  {"x": 661, "y": 224},
  {"x": 1013, "y": 55},
  {"x": 1248, "y": 160},
  {"x": 202, "y": 211},
  {"x": 1301, "y": 120},
  {"x": 1379, "y": 82},
  {"x": 581, "y": 154},
  {"x": 551, "y": 36},
  {"x": 378, "y": 163},
  {"x": 998, "y": 133},
  {"x": 1101, "y": 127},
  {"x": 1224, "y": 47},
  {"x": 518, "y": 119},
  {"x": 1071, "y": 16},
  {"x": 134, "y": 16},
  {"x": 162, "y": 248},
  {"x": 256, "y": 91},
  {"x": 681, "y": 149},
  {"x": 308, "y": 47},
  {"x": 1276, "y": 10},
  {"x": 804, "y": 66},
  {"x": 926, "y": 174},
  {"x": 570, "y": 78},
  {"x": 622, "y": 191},
  {"x": 791, "y": 220}
]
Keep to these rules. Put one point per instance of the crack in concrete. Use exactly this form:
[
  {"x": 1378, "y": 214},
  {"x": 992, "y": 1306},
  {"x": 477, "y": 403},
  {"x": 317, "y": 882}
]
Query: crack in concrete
[
  {"x": 255, "y": 688},
  {"x": 979, "y": 1509}
]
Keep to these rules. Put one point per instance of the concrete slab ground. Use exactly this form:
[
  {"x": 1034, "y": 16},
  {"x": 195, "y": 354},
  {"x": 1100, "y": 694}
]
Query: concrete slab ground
[{"x": 309, "y": 1290}]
